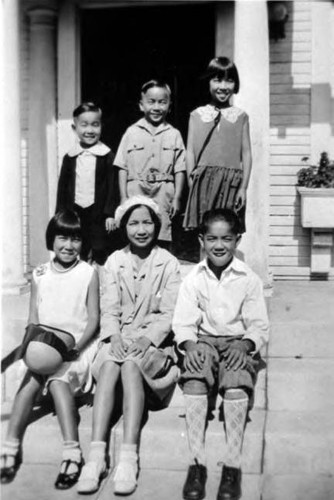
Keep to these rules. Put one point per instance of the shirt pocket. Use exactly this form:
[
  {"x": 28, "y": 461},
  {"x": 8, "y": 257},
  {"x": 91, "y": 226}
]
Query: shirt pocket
[
  {"x": 169, "y": 152},
  {"x": 135, "y": 149}
]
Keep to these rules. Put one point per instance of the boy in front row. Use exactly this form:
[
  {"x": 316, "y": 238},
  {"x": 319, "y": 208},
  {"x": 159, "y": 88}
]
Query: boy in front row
[{"x": 220, "y": 322}]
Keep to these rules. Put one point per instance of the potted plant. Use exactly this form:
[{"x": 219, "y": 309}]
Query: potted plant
[{"x": 316, "y": 187}]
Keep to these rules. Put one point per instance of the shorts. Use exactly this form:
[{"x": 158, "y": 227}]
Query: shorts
[{"x": 214, "y": 370}]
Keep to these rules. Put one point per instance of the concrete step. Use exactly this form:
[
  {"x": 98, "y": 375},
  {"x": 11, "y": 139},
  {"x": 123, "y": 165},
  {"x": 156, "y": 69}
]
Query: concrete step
[
  {"x": 46, "y": 432},
  {"x": 167, "y": 485},
  {"x": 298, "y": 487},
  {"x": 302, "y": 339},
  {"x": 288, "y": 303},
  {"x": 300, "y": 384},
  {"x": 164, "y": 443},
  {"x": 299, "y": 443},
  {"x": 36, "y": 482}
]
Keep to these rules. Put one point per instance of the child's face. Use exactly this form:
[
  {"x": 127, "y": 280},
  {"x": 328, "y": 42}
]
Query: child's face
[
  {"x": 219, "y": 243},
  {"x": 140, "y": 228},
  {"x": 67, "y": 249},
  {"x": 221, "y": 89},
  {"x": 155, "y": 105},
  {"x": 87, "y": 126}
]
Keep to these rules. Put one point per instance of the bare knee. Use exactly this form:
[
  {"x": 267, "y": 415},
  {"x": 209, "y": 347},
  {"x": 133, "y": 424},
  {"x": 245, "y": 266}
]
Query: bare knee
[
  {"x": 130, "y": 369},
  {"x": 109, "y": 369}
]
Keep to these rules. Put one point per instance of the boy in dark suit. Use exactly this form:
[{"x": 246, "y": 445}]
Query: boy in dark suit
[{"x": 88, "y": 183}]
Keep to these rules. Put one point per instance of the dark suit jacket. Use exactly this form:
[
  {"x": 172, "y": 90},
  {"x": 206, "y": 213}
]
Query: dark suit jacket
[{"x": 106, "y": 186}]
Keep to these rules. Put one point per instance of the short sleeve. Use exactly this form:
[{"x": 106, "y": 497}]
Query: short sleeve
[
  {"x": 121, "y": 156},
  {"x": 180, "y": 158}
]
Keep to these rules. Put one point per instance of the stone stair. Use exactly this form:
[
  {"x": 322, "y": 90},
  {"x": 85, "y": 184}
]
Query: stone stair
[
  {"x": 289, "y": 441},
  {"x": 299, "y": 434}
]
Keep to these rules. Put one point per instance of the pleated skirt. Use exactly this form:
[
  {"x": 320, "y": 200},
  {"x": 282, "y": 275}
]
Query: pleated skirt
[{"x": 213, "y": 187}]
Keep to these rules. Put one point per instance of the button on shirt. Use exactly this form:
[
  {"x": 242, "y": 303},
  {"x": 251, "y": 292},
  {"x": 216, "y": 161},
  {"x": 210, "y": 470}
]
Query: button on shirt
[
  {"x": 85, "y": 172},
  {"x": 232, "y": 305}
]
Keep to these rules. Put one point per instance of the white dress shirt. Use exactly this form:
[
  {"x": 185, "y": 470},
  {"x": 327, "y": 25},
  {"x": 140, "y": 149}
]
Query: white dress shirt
[
  {"x": 231, "y": 305},
  {"x": 85, "y": 172}
]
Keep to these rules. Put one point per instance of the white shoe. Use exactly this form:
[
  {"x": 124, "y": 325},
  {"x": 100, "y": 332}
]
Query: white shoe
[
  {"x": 91, "y": 476},
  {"x": 125, "y": 478}
]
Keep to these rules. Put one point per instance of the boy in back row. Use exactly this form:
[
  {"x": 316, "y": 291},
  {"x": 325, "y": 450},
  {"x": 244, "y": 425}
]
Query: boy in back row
[
  {"x": 88, "y": 183},
  {"x": 151, "y": 157}
]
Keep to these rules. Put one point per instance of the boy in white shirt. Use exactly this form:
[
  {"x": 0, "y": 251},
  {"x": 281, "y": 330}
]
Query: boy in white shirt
[{"x": 220, "y": 322}]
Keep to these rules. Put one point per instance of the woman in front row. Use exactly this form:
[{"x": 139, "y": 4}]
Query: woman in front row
[{"x": 139, "y": 290}]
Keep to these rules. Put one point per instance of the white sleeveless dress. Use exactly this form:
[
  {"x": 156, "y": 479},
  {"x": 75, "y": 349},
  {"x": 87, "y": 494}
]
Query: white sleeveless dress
[{"x": 62, "y": 303}]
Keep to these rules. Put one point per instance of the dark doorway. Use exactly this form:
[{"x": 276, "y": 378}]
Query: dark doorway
[{"x": 124, "y": 47}]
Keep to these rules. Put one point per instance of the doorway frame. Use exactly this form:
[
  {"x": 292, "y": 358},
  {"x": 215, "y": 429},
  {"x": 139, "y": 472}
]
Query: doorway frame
[{"x": 69, "y": 51}]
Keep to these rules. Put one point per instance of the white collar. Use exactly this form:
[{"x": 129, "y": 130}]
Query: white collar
[
  {"x": 236, "y": 265},
  {"x": 99, "y": 149}
]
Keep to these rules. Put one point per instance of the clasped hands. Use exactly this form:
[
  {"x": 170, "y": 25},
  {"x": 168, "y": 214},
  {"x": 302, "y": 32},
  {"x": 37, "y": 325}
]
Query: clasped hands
[
  {"x": 235, "y": 354},
  {"x": 121, "y": 349}
]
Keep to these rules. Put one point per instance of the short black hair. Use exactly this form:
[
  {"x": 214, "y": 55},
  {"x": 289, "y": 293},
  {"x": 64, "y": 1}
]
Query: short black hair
[
  {"x": 65, "y": 223},
  {"x": 220, "y": 214},
  {"x": 223, "y": 67},
  {"x": 155, "y": 219},
  {"x": 156, "y": 83},
  {"x": 86, "y": 106}
]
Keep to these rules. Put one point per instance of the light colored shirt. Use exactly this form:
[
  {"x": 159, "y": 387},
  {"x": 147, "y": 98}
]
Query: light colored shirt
[
  {"x": 145, "y": 151},
  {"x": 85, "y": 172},
  {"x": 232, "y": 305}
]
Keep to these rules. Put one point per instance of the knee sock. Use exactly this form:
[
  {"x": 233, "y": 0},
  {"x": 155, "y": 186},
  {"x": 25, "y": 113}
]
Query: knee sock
[
  {"x": 196, "y": 412},
  {"x": 71, "y": 451},
  {"x": 97, "y": 453},
  {"x": 235, "y": 412}
]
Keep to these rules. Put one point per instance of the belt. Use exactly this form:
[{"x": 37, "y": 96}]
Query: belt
[{"x": 152, "y": 177}]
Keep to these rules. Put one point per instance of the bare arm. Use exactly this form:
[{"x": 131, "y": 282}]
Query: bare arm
[
  {"x": 33, "y": 314},
  {"x": 190, "y": 155},
  {"x": 246, "y": 165},
  {"x": 179, "y": 184},
  {"x": 122, "y": 180},
  {"x": 93, "y": 312}
]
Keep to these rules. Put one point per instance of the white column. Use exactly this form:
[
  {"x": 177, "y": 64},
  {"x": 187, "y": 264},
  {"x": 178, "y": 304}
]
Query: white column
[
  {"x": 251, "y": 55},
  {"x": 42, "y": 128},
  {"x": 322, "y": 93},
  {"x": 12, "y": 258},
  {"x": 68, "y": 56}
]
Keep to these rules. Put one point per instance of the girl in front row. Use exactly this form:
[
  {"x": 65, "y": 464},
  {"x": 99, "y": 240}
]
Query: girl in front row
[
  {"x": 64, "y": 296},
  {"x": 139, "y": 290},
  {"x": 219, "y": 158}
]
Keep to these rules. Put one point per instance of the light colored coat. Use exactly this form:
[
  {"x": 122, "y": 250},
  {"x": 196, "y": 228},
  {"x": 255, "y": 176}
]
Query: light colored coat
[{"x": 150, "y": 313}]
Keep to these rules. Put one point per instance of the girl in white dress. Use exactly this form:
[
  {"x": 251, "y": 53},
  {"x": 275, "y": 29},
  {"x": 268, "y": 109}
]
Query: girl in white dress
[{"x": 65, "y": 296}]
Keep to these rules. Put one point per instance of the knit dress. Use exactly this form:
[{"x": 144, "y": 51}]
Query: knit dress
[{"x": 218, "y": 170}]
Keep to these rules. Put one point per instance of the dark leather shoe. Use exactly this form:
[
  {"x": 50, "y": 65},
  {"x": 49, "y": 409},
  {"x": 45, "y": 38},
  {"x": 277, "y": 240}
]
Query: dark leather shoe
[
  {"x": 230, "y": 484},
  {"x": 8, "y": 473},
  {"x": 65, "y": 480},
  {"x": 194, "y": 487}
]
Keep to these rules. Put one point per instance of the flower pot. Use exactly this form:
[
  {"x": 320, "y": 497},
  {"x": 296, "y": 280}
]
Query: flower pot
[{"x": 317, "y": 207}]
